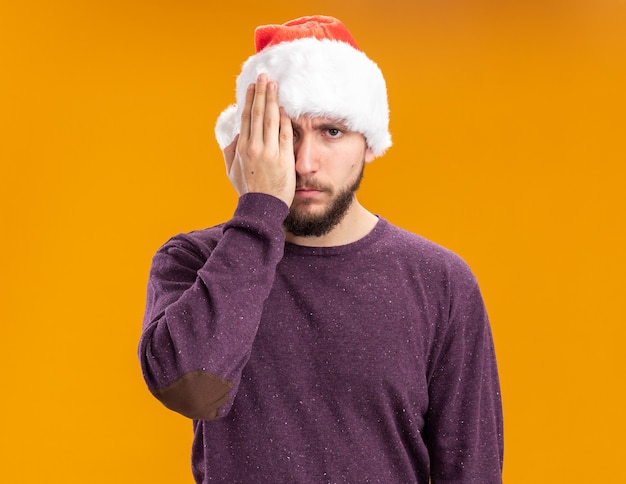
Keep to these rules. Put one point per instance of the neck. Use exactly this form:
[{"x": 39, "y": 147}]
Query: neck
[{"x": 356, "y": 224}]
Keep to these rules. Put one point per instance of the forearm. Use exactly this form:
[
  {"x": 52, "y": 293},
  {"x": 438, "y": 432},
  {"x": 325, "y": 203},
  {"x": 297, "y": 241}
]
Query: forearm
[{"x": 202, "y": 315}]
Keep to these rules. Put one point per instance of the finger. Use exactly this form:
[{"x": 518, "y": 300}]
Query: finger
[
  {"x": 272, "y": 116},
  {"x": 258, "y": 109},
  {"x": 286, "y": 134},
  {"x": 247, "y": 113}
]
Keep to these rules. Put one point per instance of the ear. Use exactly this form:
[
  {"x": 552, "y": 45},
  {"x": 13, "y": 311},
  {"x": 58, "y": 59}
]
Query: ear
[{"x": 369, "y": 155}]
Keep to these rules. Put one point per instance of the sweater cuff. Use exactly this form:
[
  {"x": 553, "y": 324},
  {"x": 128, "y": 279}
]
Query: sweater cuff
[{"x": 259, "y": 212}]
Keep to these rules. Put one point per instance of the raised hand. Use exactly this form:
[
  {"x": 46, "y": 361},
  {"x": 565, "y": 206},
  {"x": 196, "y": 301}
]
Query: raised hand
[{"x": 261, "y": 158}]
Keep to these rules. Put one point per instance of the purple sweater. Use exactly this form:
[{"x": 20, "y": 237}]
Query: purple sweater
[{"x": 368, "y": 362}]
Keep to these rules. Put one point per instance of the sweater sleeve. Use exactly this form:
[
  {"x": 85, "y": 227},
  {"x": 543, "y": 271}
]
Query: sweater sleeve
[
  {"x": 463, "y": 429},
  {"x": 203, "y": 309}
]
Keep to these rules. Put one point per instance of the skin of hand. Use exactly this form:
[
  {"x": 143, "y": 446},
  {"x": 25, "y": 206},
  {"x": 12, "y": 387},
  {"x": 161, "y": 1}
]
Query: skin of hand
[{"x": 261, "y": 158}]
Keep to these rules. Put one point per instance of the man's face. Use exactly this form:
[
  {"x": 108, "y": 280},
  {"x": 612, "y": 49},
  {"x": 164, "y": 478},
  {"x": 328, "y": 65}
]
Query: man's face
[{"x": 329, "y": 167}]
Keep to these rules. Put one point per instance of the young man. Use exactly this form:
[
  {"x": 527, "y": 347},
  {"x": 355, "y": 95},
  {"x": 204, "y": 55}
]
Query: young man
[{"x": 310, "y": 340}]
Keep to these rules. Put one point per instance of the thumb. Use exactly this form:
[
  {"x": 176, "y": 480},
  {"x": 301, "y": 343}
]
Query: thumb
[{"x": 229, "y": 153}]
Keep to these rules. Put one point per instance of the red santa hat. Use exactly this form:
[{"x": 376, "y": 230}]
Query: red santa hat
[{"x": 320, "y": 71}]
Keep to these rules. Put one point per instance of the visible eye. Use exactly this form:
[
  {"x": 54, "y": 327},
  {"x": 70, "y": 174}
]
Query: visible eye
[{"x": 334, "y": 132}]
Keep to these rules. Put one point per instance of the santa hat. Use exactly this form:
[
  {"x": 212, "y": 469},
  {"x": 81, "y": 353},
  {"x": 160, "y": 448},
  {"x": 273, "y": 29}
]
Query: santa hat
[{"x": 320, "y": 71}]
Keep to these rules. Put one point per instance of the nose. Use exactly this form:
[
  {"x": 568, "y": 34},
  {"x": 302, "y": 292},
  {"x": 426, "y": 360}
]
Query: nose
[{"x": 306, "y": 155}]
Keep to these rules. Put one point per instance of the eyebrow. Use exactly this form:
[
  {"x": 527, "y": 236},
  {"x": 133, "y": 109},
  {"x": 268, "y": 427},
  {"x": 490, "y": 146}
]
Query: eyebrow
[{"x": 340, "y": 125}]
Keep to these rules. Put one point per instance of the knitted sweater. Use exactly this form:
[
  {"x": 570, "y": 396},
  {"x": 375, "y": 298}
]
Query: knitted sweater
[{"x": 367, "y": 362}]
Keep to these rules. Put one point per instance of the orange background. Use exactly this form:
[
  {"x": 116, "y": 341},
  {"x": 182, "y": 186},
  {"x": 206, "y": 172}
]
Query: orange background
[{"x": 508, "y": 120}]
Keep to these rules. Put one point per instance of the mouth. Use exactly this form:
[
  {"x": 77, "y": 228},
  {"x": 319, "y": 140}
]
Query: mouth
[{"x": 307, "y": 192}]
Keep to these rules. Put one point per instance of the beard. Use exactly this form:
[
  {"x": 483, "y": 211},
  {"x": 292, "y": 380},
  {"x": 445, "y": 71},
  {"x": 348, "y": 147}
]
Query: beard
[{"x": 302, "y": 224}]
